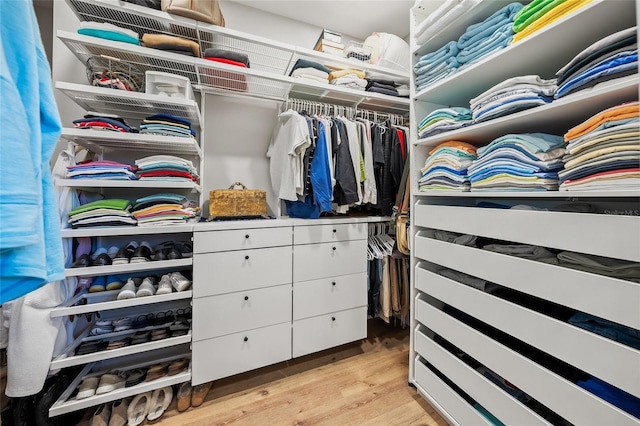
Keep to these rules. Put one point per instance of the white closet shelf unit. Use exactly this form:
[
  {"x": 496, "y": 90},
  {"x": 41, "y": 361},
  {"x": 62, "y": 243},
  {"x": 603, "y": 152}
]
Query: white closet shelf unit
[
  {"x": 432, "y": 366},
  {"x": 105, "y": 183},
  {"x": 129, "y": 267},
  {"x": 271, "y": 61},
  {"x": 108, "y": 231}
]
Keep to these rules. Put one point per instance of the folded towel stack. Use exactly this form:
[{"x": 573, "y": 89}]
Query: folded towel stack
[
  {"x": 385, "y": 87},
  {"x": 436, "y": 66},
  {"x": 446, "y": 167},
  {"x": 444, "y": 120},
  {"x": 103, "y": 122},
  {"x": 108, "y": 32},
  {"x": 165, "y": 209},
  {"x": 103, "y": 169},
  {"x": 444, "y": 15},
  {"x": 353, "y": 79},
  {"x": 166, "y": 168},
  {"x": 310, "y": 70},
  {"x": 107, "y": 212},
  {"x": 167, "y": 125}
]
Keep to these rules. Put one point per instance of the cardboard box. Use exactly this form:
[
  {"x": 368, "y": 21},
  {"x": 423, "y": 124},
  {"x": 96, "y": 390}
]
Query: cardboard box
[{"x": 331, "y": 36}]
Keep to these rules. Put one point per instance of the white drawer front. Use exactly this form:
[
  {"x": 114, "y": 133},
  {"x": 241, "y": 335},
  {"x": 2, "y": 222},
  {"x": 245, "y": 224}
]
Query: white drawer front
[
  {"x": 241, "y": 239},
  {"x": 317, "y": 297},
  {"x": 313, "y": 261},
  {"x": 219, "y": 273},
  {"x": 236, "y": 353},
  {"x": 326, "y": 331},
  {"x": 230, "y": 313},
  {"x": 327, "y": 233}
]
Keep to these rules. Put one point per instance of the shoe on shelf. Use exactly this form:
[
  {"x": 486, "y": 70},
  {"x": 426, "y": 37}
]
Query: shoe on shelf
[
  {"x": 82, "y": 261},
  {"x": 147, "y": 287},
  {"x": 138, "y": 409},
  {"x": 184, "y": 396},
  {"x": 98, "y": 284},
  {"x": 199, "y": 393},
  {"x": 88, "y": 387},
  {"x": 128, "y": 291},
  {"x": 101, "y": 415},
  {"x": 185, "y": 248},
  {"x": 142, "y": 253},
  {"x": 179, "y": 282},
  {"x": 124, "y": 254},
  {"x": 135, "y": 377},
  {"x": 101, "y": 257},
  {"x": 164, "y": 287},
  {"x": 156, "y": 371},
  {"x": 109, "y": 383},
  {"x": 160, "y": 400},
  {"x": 178, "y": 366},
  {"x": 112, "y": 252},
  {"x": 119, "y": 413},
  {"x": 115, "y": 282}
]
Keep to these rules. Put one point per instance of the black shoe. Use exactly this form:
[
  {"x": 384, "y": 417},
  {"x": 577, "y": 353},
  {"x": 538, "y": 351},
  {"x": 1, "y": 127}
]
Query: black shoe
[
  {"x": 82, "y": 262},
  {"x": 102, "y": 260},
  {"x": 141, "y": 254},
  {"x": 124, "y": 254}
]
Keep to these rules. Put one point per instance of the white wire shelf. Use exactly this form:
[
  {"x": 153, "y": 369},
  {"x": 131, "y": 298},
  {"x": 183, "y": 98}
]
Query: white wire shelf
[
  {"x": 65, "y": 404},
  {"x": 107, "y": 300},
  {"x": 556, "y": 118},
  {"x": 532, "y": 55},
  {"x": 101, "y": 140},
  {"x": 129, "y": 104},
  {"x": 105, "y": 183},
  {"x": 129, "y": 267},
  {"x": 529, "y": 194}
]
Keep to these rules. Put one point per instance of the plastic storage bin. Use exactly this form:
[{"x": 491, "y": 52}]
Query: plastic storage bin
[{"x": 166, "y": 84}]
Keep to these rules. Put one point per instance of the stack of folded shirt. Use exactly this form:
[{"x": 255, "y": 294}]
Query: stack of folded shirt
[
  {"x": 540, "y": 13},
  {"x": 436, "y": 66},
  {"x": 107, "y": 212},
  {"x": 443, "y": 120},
  {"x": 103, "y": 122},
  {"x": 225, "y": 79},
  {"x": 446, "y": 167},
  {"x": 108, "y": 32},
  {"x": 102, "y": 169},
  {"x": 612, "y": 57},
  {"x": 310, "y": 70},
  {"x": 172, "y": 44},
  {"x": 512, "y": 95},
  {"x": 165, "y": 209},
  {"x": 166, "y": 168},
  {"x": 353, "y": 79},
  {"x": 167, "y": 125},
  {"x": 444, "y": 15},
  {"x": 603, "y": 153},
  {"x": 610, "y": 267},
  {"x": 494, "y": 33},
  {"x": 385, "y": 87},
  {"x": 528, "y": 161}
]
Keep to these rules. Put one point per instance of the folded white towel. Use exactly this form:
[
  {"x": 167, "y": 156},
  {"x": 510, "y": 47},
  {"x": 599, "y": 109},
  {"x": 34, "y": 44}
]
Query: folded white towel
[{"x": 311, "y": 73}]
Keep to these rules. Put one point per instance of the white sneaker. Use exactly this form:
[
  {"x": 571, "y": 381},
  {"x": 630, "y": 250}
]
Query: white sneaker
[
  {"x": 165, "y": 285},
  {"x": 110, "y": 382},
  {"x": 179, "y": 282},
  {"x": 146, "y": 288},
  {"x": 87, "y": 388},
  {"x": 128, "y": 291}
]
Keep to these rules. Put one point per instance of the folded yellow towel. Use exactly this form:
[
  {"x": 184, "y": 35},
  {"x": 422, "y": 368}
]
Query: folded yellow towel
[{"x": 342, "y": 73}]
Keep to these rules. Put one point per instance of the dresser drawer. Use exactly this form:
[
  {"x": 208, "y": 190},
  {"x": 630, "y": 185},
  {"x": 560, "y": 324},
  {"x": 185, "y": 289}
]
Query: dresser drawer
[
  {"x": 326, "y": 331},
  {"x": 241, "y": 239},
  {"x": 225, "y": 272},
  {"x": 239, "y": 352},
  {"x": 317, "y": 297},
  {"x": 327, "y": 233},
  {"x": 313, "y": 261},
  {"x": 230, "y": 313}
]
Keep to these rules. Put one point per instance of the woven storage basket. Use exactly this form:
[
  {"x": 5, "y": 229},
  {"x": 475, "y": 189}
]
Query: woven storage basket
[{"x": 229, "y": 203}]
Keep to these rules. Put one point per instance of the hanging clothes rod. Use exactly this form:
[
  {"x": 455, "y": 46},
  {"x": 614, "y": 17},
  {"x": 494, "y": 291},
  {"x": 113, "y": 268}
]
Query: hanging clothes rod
[{"x": 320, "y": 108}]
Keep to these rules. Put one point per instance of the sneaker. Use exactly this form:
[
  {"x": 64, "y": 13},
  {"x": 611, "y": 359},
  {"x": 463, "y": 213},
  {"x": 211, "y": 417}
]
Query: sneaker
[
  {"x": 165, "y": 285},
  {"x": 128, "y": 291},
  {"x": 142, "y": 253},
  {"x": 110, "y": 382},
  {"x": 87, "y": 388},
  {"x": 98, "y": 284},
  {"x": 112, "y": 252},
  {"x": 124, "y": 254},
  {"x": 114, "y": 282},
  {"x": 146, "y": 288},
  {"x": 179, "y": 282}
]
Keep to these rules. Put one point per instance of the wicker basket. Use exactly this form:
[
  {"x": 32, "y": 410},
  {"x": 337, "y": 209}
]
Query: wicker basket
[{"x": 237, "y": 203}]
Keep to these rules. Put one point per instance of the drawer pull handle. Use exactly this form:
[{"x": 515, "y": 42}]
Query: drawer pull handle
[
  {"x": 333, "y": 283},
  {"x": 246, "y": 236},
  {"x": 246, "y": 339},
  {"x": 246, "y": 298},
  {"x": 333, "y": 318},
  {"x": 335, "y": 230},
  {"x": 246, "y": 257},
  {"x": 334, "y": 249}
]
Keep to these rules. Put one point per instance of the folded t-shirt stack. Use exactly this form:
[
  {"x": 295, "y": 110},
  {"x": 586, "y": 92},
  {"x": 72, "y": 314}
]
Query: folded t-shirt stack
[
  {"x": 610, "y": 267},
  {"x": 603, "y": 153},
  {"x": 446, "y": 167},
  {"x": 225, "y": 79},
  {"x": 385, "y": 87},
  {"x": 102, "y": 169},
  {"x": 540, "y": 13},
  {"x": 172, "y": 44},
  {"x": 512, "y": 95},
  {"x": 612, "y": 57},
  {"x": 103, "y": 122},
  {"x": 108, "y": 32},
  {"x": 167, "y": 125},
  {"x": 107, "y": 212},
  {"x": 310, "y": 70},
  {"x": 436, "y": 66},
  {"x": 350, "y": 78},
  {"x": 165, "y": 209},
  {"x": 444, "y": 120},
  {"x": 528, "y": 161},
  {"x": 166, "y": 168}
]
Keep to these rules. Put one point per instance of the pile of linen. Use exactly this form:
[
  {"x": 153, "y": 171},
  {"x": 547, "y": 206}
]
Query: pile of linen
[
  {"x": 102, "y": 169},
  {"x": 167, "y": 125},
  {"x": 166, "y": 168},
  {"x": 444, "y": 120},
  {"x": 107, "y": 212},
  {"x": 165, "y": 209}
]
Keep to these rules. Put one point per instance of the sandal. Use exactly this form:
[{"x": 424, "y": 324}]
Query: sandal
[{"x": 178, "y": 366}]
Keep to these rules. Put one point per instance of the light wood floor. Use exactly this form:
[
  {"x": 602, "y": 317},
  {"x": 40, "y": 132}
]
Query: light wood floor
[{"x": 364, "y": 383}]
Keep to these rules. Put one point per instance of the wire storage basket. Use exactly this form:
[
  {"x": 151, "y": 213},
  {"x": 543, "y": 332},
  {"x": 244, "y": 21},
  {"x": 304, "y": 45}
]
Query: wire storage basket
[{"x": 114, "y": 73}]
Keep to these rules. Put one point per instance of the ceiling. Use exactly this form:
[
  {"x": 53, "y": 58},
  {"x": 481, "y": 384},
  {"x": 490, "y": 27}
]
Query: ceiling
[{"x": 357, "y": 18}]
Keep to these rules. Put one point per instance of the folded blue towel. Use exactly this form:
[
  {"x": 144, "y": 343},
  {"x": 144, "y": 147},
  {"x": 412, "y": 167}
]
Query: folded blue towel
[
  {"x": 484, "y": 29},
  {"x": 500, "y": 39},
  {"x": 434, "y": 58}
]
